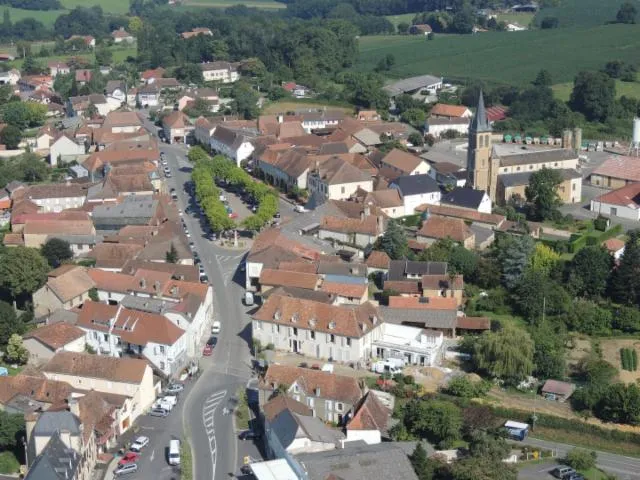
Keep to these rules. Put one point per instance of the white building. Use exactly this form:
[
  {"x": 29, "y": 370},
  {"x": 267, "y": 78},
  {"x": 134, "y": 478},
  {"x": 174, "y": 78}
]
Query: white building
[
  {"x": 417, "y": 190},
  {"x": 223, "y": 72},
  {"x": 404, "y": 163},
  {"x": 415, "y": 346},
  {"x": 235, "y": 145},
  {"x": 10, "y": 77},
  {"x": 64, "y": 149},
  {"x": 56, "y": 197},
  {"x": 337, "y": 179},
  {"x": 623, "y": 202}
]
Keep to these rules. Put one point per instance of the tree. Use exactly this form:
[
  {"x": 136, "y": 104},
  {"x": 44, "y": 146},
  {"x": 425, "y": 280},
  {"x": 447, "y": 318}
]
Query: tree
[
  {"x": 619, "y": 403},
  {"x": 11, "y": 136},
  {"x": 9, "y": 322},
  {"x": 419, "y": 460},
  {"x": 593, "y": 95},
  {"x": 31, "y": 66},
  {"x": 537, "y": 295},
  {"x": 16, "y": 352},
  {"x": 549, "y": 22},
  {"x": 56, "y": 251},
  {"x": 93, "y": 294},
  {"x": 386, "y": 63},
  {"x": 104, "y": 56},
  {"x": 544, "y": 259},
  {"x": 22, "y": 270},
  {"x": 403, "y": 27},
  {"x": 479, "y": 468},
  {"x": 549, "y": 352},
  {"x": 581, "y": 459},
  {"x": 624, "y": 286},
  {"x": 394, "y": 241},
  {"x": 12, "y": 428},
  {"x": 627, "y": 13},
  {"x": 414, "y": 117},
  {"x": 462, "y": 386},
  {"x": 245, "y": 100},
  {"x": 543, "y": 79},
  {"x": 135, "y": 25},
  {"x": 589, "y": 270},
  {"x": 514, "y": 254},
  {"x": 172, "y": 255},
  {"x": 190, "y": 73},
  {"x": 439, "y": 421},
  {"x": 506, "y": 354},
  {"x": 542, "y": 194},
  {"x": 416, "y": 139},
  {"x": 487, "y": 446}
]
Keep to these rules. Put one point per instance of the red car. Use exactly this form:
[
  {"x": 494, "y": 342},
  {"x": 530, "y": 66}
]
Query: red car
[
  {"x": 233, "y": 215},
  {"x": 129, "y": 457},
  {"x": 207, "y": 351}
]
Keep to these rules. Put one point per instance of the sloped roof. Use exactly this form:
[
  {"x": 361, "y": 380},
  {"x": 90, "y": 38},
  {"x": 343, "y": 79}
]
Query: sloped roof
[
  {"x": 279, "y": 403},
  {"x": 464, "y": 214},
  {"x": 444, "y": 110},
  {"x": 370, "y": 414},
  {"x": 627, "y": 196},
  {"x": 387, "y": 198},
  {"x": 126, "y": 370},
  {"x": 71, "y": 283},
  {"x": 464, "y": 197},
  {"x": 284, "y": 278},
  {"x": 445, "y": 227},
  {"x": 378, "y": 259},
  {"x": 416, "y": 184}
]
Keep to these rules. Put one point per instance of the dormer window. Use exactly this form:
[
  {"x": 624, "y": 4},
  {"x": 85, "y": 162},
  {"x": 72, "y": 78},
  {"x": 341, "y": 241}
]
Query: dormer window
[
  {"x": 277, "y": 315},
  {"x": 312, "y": 322},
  {"x": 294, "y": 318}
]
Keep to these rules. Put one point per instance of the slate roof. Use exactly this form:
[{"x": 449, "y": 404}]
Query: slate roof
[
  {"x": 358, "y": 461},
  {"x": 412, "y": 83},
  {"x": 441, "y": 319},
  {"x": 416, "y": 184},
  {"x": 537, "y": 156},
  {"x": 289, "y": 426},
  {"x": 523, "y": 178},
  {"x": 231, "y": 138},
  {"x": 400, "y": 269},
  {"x": 50, "y": 422},
  {"x": 56, "y": 462},
  {"x": 464, "y": 197},
  {"x": 480, "y": 123}
]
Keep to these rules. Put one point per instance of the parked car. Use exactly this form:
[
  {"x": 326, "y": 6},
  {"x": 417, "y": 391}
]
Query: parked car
[
  {"x": 563, "y": 472},
  {"x": 248, "y": 299},
  {"x": 139, "y": 444},
  {"x": 161, "y": 404},
  {"x": 215, "y": 327},
  {"x": 204, "y": 279},
  {"x": 207, "y": 351},
  {"x": 174, "y": 388},
  {"x": 129, "y": 457},
  {"x": 213, "y": 341},
  {"x": 125, "y": 469},
  {"x": 300, "y": 209},
  {"x": 159, "y": 412},
  {"x": 249, "y": 435}
]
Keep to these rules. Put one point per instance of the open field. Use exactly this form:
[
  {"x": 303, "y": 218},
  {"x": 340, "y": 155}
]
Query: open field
[
  {"x": 611, "y": 353},
  {"x": 291, "y": 105},
  {"x": 397, "y": 19},
  {"x": 523, "y": 18},
  {"x": 585, "y": 13},
  {"x": 505, "y": 57},
  {"x": 562, "y": 91},
  {"x": 47, "y": 17},
  {"x": 264, "y": 4},
  {"x": 120, "y": 54},
  {"x": 112, "y": 6}
]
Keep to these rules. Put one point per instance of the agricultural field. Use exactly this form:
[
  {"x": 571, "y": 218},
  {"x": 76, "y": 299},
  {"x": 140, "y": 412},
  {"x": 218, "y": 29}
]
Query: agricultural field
[
  {"x": 523, "y": 18},
  {"x": 403, "y": 18},
  {"x": 612, "y": 349},
  {"x": 584, "y": 13},
  {"x": 291, "y": 105},
  {"x": 111, "y": 6},
  {"x": 504, "y": 57},
  {"x": 262, "y": 4},
  {"x": 47, "y": 17},
  {"x": 562, "y": 91}
]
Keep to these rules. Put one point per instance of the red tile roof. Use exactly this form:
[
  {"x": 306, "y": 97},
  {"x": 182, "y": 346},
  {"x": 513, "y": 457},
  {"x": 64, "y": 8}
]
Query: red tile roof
[
  {"x": 349, "y": 290},
  {"x": 627, "y": 196},
  {"x": 613, "y": 244},
  {"x": 285, "y": 278},
  {"x": 56, "y": 335},
  {"x": 370, "y": 414},
  {"x": 444, "y": 227},
  {"x": 618, "y": 166},
  {"x": 403, "y": 161},
  {"x": 463, "y": 213},
  {"x": 407, "y": 287},
  {"x": 126, "y": 370},
  {"x": 474, "y": 323},
  {"x": 378, "y": 259},
  {"x": 444, "y": 110}
]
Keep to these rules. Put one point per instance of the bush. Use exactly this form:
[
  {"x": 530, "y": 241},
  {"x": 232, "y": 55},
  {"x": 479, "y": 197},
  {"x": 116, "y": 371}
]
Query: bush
[
  {"x": 600, "y": 223},
  {"x": 8, "y": 463},
  {"x": 581, "y": 459},
  {"x": 463, "y": 387}
]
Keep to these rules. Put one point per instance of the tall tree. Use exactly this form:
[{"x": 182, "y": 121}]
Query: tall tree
[
  {"x": 589, "y": 270},
  {"x": 11, "y": 136},
  {"x": 56, "y": 251},
  {"x": 544, "y": 259},
  {"x": 16, "y": 352},
  {"x": 537, "y": 295},
  {"x": 22, "y": 270},
  {"x": 438, "y": 421},
  {"x": 506, "y": 354},
  {"x": 9, "y": 322},
  {"x": 593, "y": 95},
  {"x": 543, "y": 79},
  {"x": 514, "y": 255},
  {"x": 624, "y": 286},
  {"x": 542, "y": 194},
  {"x": 549, "y": 351},
  {"x": 394, "y": 241}
]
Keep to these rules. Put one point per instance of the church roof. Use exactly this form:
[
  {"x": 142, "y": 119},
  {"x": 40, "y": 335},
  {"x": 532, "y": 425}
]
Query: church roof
[{"x": 480, "y": 123}]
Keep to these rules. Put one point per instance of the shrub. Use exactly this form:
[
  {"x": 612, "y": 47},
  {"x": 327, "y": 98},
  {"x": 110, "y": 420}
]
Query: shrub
[
  {"x": 600, "y": 223},
  {"x": 581, "y": 459}
]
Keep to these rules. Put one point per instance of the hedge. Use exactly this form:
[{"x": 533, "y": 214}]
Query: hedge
[
  {"x": 577, "y": 241},
  {"x": 629, "y": 359}
]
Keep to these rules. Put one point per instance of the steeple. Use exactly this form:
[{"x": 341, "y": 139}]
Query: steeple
[{"x": 480, "y": 122}]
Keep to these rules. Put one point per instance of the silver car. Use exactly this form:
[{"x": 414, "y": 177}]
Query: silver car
[{"x": 125, "y": 469}]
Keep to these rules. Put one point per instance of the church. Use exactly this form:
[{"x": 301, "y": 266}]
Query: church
[{"x": 503, "y": 170}]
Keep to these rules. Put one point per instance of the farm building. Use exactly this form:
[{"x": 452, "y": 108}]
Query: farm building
[
  {"x": 415, "y": 85},
  {"x": 623, "y": 202},
  {"x": 557, "y": 390},
  {"x": 617, "y": 171}
]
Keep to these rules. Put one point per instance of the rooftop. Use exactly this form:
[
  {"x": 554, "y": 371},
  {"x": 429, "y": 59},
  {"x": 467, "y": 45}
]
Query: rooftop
[
  {"x": 627, "y": 196},
  {"x": 444, "y": 227},
  {"x": 416, "y": 184},
  {"x": 403, "y": 161},
  {"x": 56, "y": 335},
  {"x": 125, "y": 370}
]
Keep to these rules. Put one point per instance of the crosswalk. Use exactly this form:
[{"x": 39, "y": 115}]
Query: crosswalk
[{"x": 208, "y": 414}]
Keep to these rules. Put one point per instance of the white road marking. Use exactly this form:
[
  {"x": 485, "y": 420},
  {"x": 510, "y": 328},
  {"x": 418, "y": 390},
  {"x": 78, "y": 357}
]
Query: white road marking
[
  {"x": 153, "y": 454},
  {"x": 208, "y": 412}
]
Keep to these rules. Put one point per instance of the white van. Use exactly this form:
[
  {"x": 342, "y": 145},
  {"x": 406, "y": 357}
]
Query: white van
[
  {"x": 390, "y": 366},
  {"x": 174, "y": 452}
]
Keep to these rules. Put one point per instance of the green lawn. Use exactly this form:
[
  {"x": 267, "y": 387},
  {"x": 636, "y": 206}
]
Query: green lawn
[
  {"x": 582, "y": 12},
  {"x": 263, "y": 4},
  {"x": 523, "y": 19},
  {"x": 397, "y": 19},
  {"x": 562, "y": 91},
  {"x": 12, "y": 371},
  {"x": 504, "y": 57},
  {"x": 47, "y": 17},
  {"x": 111, "y": 6},
  {"x": 8, "y": 463}
]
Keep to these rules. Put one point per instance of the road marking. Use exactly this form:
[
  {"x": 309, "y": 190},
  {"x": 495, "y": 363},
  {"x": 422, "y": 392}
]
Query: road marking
[
  {"x": 208, "y": 411},
  {"x": 153, "y": 454}
]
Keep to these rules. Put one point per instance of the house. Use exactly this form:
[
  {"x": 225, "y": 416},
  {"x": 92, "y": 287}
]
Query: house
[
  {"x": 116, "y": 331},
  {"x": 88, "y": 40},
  {"x": 437, "y": 126},
  {"x": 56, "y": 67},
  {"x": 67, "y": 287},
  {"x": 234, "y": 144},
  {"x": 148, "y": 95},
  {"x": 64, "y": 149},
  {"x": 346, "y": 289},
  {"x": 488, "y": 220},
  {"x": 208, "y": 95},
  {"x": 320, "y": 119},
  {"x": 443, "y": 286},
  {"x": 504, "y": 170},
  {"x": 203, "y": 130},
  {"x": 442, "y": 110},
  {"x": 388, "y": 200},
  {"x": 467, "y": 198},
  {"x": 77, "y": 106},
  {"x": 195, "y": 32},
  {"x": 116, "y": 92},
  {"x": 318, "y": 330},
  {"x": 416, "y": 190},
  {"x": 35, "y": 233},
  {"x": 176, "y": 127},
  {"x": 83, "y": 75},
  {"x": 368, "y": 116},
  {"x": 411, "y": 270},
  {"x": 330, "y": 397},
  {"x": 10, "y": 77},
  {"x": 433, "y": 314},
  {"x": 122, "y": 36},
  {"x": 436, "y": 228},
  {"x": 420, "y": 29},
  {"x": 359, "y": 232},
  {"x": 294, "y": 430},
  {"x": 624, "y": 202},
  {"x": 128, "y": 377},
  {"x": 122, "y": 121},
  {"x": 370, "y": 421},
  {"x": 298, "y": 91},
  {"x": 557, "y": 390},
  {"x": 378, "y": 262},
  {"x": 404, "y": 163},
  {"x": 58, "y": 447},
  {"x": 223, "y": 72},
  {"x": 271, "y": 278},
  {"x": 43, "y": 342},
  {"x": 153, "y": 74},
  {"x": 337, "y": 179},
  {"x": 39, "y": 392},
  {"x": 448, "y": 174},
  {"x": 55, "y": 197},
  {"x": 357, "y": 461},
  {"x": 515, "y": 27},
  {"x": 615, "y": 247}
]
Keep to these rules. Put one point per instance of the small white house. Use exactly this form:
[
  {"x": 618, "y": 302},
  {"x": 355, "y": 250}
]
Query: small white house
[
  {"x": 623, "y": 202},
  {"x": 233, "y": 144},
  {"x": 417, "y": 190},
  {"x": 64, "y": 149}
]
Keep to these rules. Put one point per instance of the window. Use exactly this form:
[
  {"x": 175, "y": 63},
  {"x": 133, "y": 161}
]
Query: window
[
  {"x": 339, "y": 406},
  {"x": 310, "y": 402},
  {"x": 313, "y": 335},
  {"x": 161, "y": 349},
  {"x": 296, "y": 389},
  {"x": 295, "y": 331},
  {"x": 95, "y": 335},
  {"x": 106, "y": 337},
  {"x": 555, "y": 164},
  {"x": 518, "y": 169},
  {"x": 573, "y": 187},
  {"x": 332, "y": 338},
  {"x": 342, "y": 190},
  {"x": 161, "y": 365},
  {"x": 348, "y": 342}
]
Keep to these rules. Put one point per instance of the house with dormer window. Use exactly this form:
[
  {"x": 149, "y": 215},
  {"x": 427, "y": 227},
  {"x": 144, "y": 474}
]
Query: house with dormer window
[{"x": 330, "y": 397}]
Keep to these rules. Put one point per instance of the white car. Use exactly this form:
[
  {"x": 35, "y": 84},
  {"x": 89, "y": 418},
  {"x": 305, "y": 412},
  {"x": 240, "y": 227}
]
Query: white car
[
  {"x": 215, "y": 328},
  {"x": 174, "y": 388},
  {"x": 162, "y": 404},
  {"x": 139, "y": 444}
]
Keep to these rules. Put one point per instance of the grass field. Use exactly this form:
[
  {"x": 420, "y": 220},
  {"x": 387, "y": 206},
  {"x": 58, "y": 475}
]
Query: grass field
[
  {"x": 505, "y": 57},
  {"x": 397, "y": 19},
  {"x": 263, "y": 4},
  {"x": 291, "y": 105},
  {"x": 523, "y": 19},
  {"x": 46, "y": 17},
  {"x": 111, "y": 6},
  {"x": 562, "y": 91},
  {"x": 582, "y": 12}
]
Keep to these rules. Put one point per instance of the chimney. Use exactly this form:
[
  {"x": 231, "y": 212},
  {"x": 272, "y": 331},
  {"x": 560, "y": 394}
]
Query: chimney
[
  {"x": 143, "y": 283},
  {"x": 156, "y": 285},
  {"x": 74, "y": 406}
]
